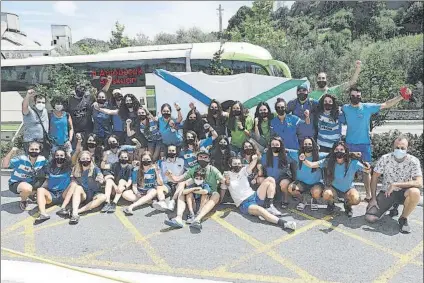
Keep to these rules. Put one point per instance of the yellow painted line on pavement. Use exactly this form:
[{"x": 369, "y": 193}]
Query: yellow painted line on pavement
[
  {"x": 146, "y": 245},
  {"x": 257, "y": 244},
  {"x": 29, "y": 238},
  {"x": 402, "y": 262},
  {"x": 273, "y": 244},
  {"x": 74, "y": 268}
]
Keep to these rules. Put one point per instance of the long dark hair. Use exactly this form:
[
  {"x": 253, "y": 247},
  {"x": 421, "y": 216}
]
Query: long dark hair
[
  {"x": 280, "y": 100},
  {"x": 270, "y": 115},
  {"x": 107, "y": 141},
  {"x": 243, "y": 153},
  {"x": 232, "y": 119},
  {"x": 315, "y": 153},
  {"x": 98, "y": 151},
  {"x": 221, "y": 159},
  {"x": 123, "y": 109},
  {"x": 197, "y": 127},
  {"x": 219, "y": 114},
  {"x": 282, "y": 156},
  {"x": 334, "y": 112},
  {"x": 331, "y": 162},
  {"x": 196, "y": 141},
  {"x": 67, "y": 166}
]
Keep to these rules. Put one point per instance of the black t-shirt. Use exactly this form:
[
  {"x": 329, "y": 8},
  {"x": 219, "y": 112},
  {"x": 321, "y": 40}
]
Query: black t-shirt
[{"x": 80, "y": 111}]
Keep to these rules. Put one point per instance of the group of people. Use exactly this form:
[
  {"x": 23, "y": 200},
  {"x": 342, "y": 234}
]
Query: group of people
[{"x": 91, "y": 151}]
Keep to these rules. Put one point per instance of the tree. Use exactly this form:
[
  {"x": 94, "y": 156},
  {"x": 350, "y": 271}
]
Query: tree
[
  {"x": 141, "y": 40},
  {"x": 235, "y": 22},
  {"x": 118, "y": 39},
  {"x": 216, "y": 64}
]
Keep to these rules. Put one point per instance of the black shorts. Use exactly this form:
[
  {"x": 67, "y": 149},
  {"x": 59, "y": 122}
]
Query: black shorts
[
  {"x": 385, "y": 203},
  {"x": 307, "y": 188},
  {"x": 56, "y": 197},
  {"x": 35, "y": 185}
]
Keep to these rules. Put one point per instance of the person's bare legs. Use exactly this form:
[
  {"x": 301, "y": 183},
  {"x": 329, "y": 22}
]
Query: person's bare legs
[
  {"x": 161, "y": 191},
  {"x": 412, "y": 198},
  {"x": 181, "y": 206},
  {"x": 316, "y": 192},
  {"x": 24, "y": 189},
  {"x": 352, "y": 197},
  {"x": 121, "y": 188},
  {"x": 109, "y": 186},
  {"x": 367, "y": 184},
  {"x": 284, "y": 184},
  {"x": 68, "y": 193},
  {"x": 43, "y": 197},
  {"x": 78, "y": 196},
  {"x": 189, "y": 202},
  {"x": 257, "y": 210},
  {"x": 97, "y": 201},
  {"x": 151, "y": 194},
  {"x": 129, "y": 196},
  {"x": 209, "y": 205}
]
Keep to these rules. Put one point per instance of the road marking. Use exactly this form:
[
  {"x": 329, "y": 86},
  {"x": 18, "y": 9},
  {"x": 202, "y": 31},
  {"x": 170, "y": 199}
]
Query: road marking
[
  {"x": 146, "y": 245},
  {"x": 273, "y": 244},
  {"x": 353, "y": 235},
  {"x": 402, "y": 262},
  {"x": 257, "y": 244},
  {"x": 29, "y": 238}
]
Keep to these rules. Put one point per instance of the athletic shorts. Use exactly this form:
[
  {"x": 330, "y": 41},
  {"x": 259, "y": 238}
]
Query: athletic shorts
[
  {"x": 364, "y": 149},
  {"x": 307, "y": 187},
  {"x": 56, "y": 197},
  {"x": 35, "y": 185},
  {"x": 385, "y": 203},
  {"x": 144, "y": 191},
  {"x": 252, "y": 200},
  {"x": 340, "y": 194},
  {"x": 90, "y": 194}
]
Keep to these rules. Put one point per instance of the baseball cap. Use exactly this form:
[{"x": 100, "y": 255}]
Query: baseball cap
[
  {"x": 204, "y": 152},
  {"x": 118, "y": 90},
  {"x": 302, "y": 86}
]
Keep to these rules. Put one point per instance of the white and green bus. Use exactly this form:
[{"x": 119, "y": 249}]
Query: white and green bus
[{"x": 132, "y": 67}]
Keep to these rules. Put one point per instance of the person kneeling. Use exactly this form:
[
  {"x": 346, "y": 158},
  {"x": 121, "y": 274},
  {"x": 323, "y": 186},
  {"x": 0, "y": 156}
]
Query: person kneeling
[
  {"x": 197, "y": 194},
  {"x": 254, "y": 203}
]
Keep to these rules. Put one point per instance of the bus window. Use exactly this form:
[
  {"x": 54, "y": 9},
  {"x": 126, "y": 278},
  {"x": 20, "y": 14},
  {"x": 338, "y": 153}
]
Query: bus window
[
  {"x": 276, "y": 70},
  {"x": 201, "y": 65}
]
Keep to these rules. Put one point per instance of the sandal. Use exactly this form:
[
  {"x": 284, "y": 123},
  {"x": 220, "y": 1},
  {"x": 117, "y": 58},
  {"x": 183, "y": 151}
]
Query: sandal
[
  {"x": 63, "y": 212},
  {"x": 74, "y": 219},
  {"x": 174, "y": 223},
  {"x": 41, "y": 219},
  {"x": 23, "y": 204},
  {"x": 300, "y": 206},
  {"x": 127, "y": 211}
]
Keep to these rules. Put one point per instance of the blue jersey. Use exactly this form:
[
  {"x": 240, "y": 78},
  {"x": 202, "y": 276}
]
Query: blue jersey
[
  {"x": 58, "y": 179},
  {"x": 288, "y": 130},
  {"x": 59, "y": 128},
  {"x": 102, "y": 123},
  {"x": 204, "y": 186},
  {"x": 358, "y": 122},
  {"x": 150, "y": 179},
  {"x": 274, "y": 171},
  {"x": 343, "y": 179},
  {"x": 152, "y": 134},
  {"x": 118, "y": 124},
  {"x": 305, "y": 174},
  {"x": 190, "y": 157},
  {"x": 23, "y": 170},
  {"x": 329, "y": 131},
  {"x": 296, "y": 108},
  {"x": 89, "y": 183}
]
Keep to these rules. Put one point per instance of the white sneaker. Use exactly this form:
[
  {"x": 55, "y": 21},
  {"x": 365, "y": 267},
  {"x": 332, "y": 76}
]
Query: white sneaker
[
  {"x": 271, "y": 209},
  {"x": 171, "y": 205},
  {"x": 290, "y": 225},
  {"x": 261, "y": 218},
  {"x": 160, "y": 205}
]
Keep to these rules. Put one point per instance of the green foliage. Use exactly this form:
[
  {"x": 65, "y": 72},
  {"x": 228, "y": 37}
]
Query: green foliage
[
  {"x": 6, "y": 146},
  {"x": 216, "y": 64},
  {"x": 118, "y": 39}
]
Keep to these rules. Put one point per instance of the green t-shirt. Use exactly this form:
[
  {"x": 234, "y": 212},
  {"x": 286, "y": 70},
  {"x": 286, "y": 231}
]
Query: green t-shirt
[
  {"x": 266, "y": 133},
  {"x": 213, "y": 176},
  {"x": 334, "y": 90},
  {"x": 238, "y": 136}
]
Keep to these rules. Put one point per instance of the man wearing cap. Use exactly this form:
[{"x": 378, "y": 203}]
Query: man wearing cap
[
  {"x": 302, "y": 106},
  {"x": 213, "y": 178}
]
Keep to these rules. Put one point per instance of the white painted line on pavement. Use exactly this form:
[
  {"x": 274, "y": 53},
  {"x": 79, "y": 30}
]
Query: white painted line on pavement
[{"x": 23, "y": 272}]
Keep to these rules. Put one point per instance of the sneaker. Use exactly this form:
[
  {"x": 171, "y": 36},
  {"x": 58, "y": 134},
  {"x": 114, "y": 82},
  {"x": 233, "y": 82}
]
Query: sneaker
[
  {"x": 171, "y": 205},
  {"x": 33, "y": 198},
  {"x": 403, "y": 225},
  {"x": 112, "y": 207},
  {"x": 63, "y": 212},
  {"x": 127, "y": 211},
  {"x": 314, "y": 204},
  {"x": 23, "y": 204},
  {"x": 284, "y": 205},
  {"x": 393, "y": 212},
  {"x": 348, "y": 209},
  {"x": 160, "y": 205},
  {"x": 174, "y": 223},
  {"x": 261, "y": 218},
  {"x": 74, "y": 219},
  {"x": 274, "y": 211},
  {"x": 331, "y": 207},
  {"x": 196, "y": 225},
  {"x": 190, "y": 218},
  {"x": 41, "y": 219},
  {"x": 105, "y": 207},
  {"x": 290, "y": 225},
  {"x": 300, "y": 206}
]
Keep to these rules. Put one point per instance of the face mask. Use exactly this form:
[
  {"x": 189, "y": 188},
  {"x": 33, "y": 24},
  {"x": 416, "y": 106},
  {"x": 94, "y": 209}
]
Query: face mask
[
  {"x": 275, "y": 149},
  {"x": 101, "y": 101},
  {"x": 198, "y": 182},
  {"x": 399, "y": 153},
  {"x": 236, "y": 169},
  {"x": 123, "y": 161},
  {"x": 355, "y": 100},
  {"x": 190, "y": 141},
  {"x": 129, "y": 105},
  {"x": 223, "y": 146},
  {"x": 91, "y": 145},
  {"x": 118, "y": 98},
  {"x": 171, "y": 154},
  {"x": 142, "y": 117},
  {"x": 328, "y": 106},
  {"x": 166, "y": 115},
  {"x": 33, "y": 153},
  {"x": 236, "y": 112},
  {"x": 339, "y": 154},
  {"x": 40, "y": 106},
  {"x": 79, "y": 92},
  {"x": 113, "y": 145},
  {"x": 192, "y": 121},
  {"x": 85, "y": 163},
  {"x": 321, "y": 84},
  {"x": 146, "y": 162},
  {"x": 203, "y": 163},
  {"x": 60, "y": 160},
  {"x": 308, "y": 149},
  {"x": 214, "y": 111},
  {"x": 249, "y": 151},
  {"x": 263, "y": 114},
  {"x": 58, "y": 107},
  {"x": 302, "y": 96},
  {"x": 281, "y": 110}
]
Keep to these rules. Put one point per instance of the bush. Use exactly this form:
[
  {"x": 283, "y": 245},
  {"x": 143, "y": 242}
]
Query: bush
[{"x": 6, "y": 146}]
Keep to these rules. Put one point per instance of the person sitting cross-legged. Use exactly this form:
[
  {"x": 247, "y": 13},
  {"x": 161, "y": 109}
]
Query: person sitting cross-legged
[
  {"x": 254, "y": 203},
  {"x": 196, "y": 194},
  {"x": 402, "y": 181}
]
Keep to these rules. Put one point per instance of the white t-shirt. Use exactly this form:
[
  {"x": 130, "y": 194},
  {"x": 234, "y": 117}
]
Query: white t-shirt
[
  {"x": 394, "y": 171},
  {"x": 239, "y": 186},
  {"x": 177, "y": 168}
]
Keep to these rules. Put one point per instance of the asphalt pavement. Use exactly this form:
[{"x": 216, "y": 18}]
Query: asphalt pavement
[{"x": 231, "y": 247}]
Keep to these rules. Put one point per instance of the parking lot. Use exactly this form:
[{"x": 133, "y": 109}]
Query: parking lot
[{"x": 231, "y": 247}]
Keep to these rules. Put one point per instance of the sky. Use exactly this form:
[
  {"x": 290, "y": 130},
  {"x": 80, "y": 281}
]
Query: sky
[{"x": 92, "y": 19}]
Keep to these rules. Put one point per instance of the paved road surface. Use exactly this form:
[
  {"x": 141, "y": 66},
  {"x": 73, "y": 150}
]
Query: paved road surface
[{"x": 231, "y": 247}]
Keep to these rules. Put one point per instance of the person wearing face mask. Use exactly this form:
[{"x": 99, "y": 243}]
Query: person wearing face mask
[
  {"x": 259, "y": 203},
  {"x": 171, "y": 135},
  {"x": 217, "y": 118},
  {"x": 57, "y": 186},
  {"x": 358, "y": 119},
  {"x": 25, "y": 177},
  {"x": 192, "y": 146},
  {"x": 118, "y": 179},
  {"x": 147, "y": 185},
  {"x": 110, "y": 155},
  {"x": 337, "y": 90},
  {"x": 175, "y": 165},
  {"x": 102, "y": 123},
  {"x": 61, "y": 127},
  {"x": 194, "y": 123},
  {"x": 167, "y": 128},
  {"x": 286, "y": 126},
  {"x": 196, "y": 195},
  {"x": 302, "y": 106},
  {"x": 263, "y": 117},
  {"x": 86, "y": 179},
  {"x": 221, "y": 154},
  {"x": 307, "y": 179},
  {"x": 90, "y": 144},
  {"x": 213, "y": 178},
  {"x": 280, "y": 166},
  {"x": 402, "y": 181},
  {"x": 35, "y": 121},
  {"x": 239, "y": 125},
  {"x": 248, "y": 150},
  {"x": 339, "y": 175},
  {"x": 328, "y": 122}
]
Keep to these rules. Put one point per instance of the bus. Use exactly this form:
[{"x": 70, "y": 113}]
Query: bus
[{"x": 132, "y": 67}]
